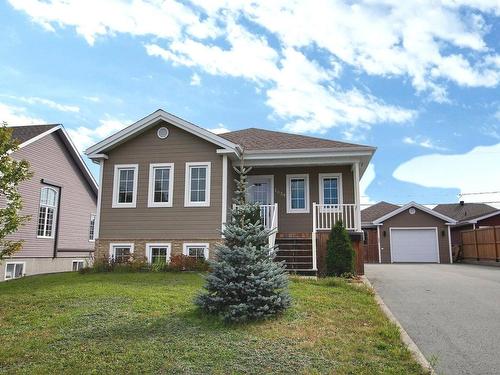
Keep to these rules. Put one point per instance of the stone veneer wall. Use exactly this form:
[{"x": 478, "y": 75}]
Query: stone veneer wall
[{"x": 102, "y": 246}]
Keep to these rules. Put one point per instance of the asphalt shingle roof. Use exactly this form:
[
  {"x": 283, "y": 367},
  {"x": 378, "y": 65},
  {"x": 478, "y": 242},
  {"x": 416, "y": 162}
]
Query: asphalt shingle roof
[
  {"x": 467, "y": 211},
  {"x": 376, "y": 211},
  {"x": 254, "y": 139},
  {"x": 26, "y": 132}
]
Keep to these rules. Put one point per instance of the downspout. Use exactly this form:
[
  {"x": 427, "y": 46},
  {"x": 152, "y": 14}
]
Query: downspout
[{"x": 56, "y": 235}]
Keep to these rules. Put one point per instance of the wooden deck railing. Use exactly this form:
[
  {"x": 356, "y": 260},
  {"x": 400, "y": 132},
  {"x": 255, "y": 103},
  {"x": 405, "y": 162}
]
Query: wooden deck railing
[{"x": 326, "y": 215}]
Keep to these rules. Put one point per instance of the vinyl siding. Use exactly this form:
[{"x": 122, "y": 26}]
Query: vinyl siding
[
  {"x": 419, "y": 219},
  {"x": 302, "y": 222},
  {"x": 160, "y": 223},
  {"x": 50, "y": 160}
]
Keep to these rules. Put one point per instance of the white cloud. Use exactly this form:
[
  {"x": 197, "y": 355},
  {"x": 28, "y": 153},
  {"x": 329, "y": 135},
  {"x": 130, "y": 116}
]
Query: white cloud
[
  {"x": 423, "y": 142},
  {"x": 475, "y": 171},
  {"x": 94, "y": 99},
  {"x": 366, "y": 180},
  {"x": 14, "y": 115},
  {"x": 33, "y": 100},
  {"x": 84, "y": 137},
  {"x": 219, "y": 129},
  {"x": 430, "y": 43},
  {"x": 195, "y": 80}
]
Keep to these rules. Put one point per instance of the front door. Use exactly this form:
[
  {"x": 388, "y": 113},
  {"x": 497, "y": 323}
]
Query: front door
[{"x": 260, "y": 189}]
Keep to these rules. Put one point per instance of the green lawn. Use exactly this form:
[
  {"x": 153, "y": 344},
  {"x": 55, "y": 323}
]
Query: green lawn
[{"x": 146, "y": 322}]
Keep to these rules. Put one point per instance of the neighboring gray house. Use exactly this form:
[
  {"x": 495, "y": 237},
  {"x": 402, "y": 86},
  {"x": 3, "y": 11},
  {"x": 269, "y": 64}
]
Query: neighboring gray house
[
  {"x": 167, "y": 186},
  {"x": 61, "y": 198}
]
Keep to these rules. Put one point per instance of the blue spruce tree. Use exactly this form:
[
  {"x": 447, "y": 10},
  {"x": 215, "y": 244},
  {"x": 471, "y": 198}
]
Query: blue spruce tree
[{"x": 245, "y": 283}]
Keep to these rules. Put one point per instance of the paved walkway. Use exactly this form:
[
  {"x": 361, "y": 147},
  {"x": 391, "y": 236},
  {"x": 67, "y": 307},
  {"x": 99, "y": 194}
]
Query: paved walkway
[{"x": 452, "y": 312}]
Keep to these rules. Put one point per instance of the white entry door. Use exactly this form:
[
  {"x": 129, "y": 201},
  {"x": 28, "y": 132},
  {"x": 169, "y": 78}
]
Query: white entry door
[
  {"x": 414, "y": 245},
  {"x": 260, "y": 189}
]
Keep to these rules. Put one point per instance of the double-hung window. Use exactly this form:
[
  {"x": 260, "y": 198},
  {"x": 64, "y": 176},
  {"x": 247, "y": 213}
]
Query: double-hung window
[
  {"x": 121, "y": 252},
  {"x": 196, "y": 250},
  {"x": 125, "y": 185},
  {"x": 77, "y": 265},
  {"x": 197, "y": 189},
  {"x": 297, "y": 192},
  {"x": 158, "y": 252},
  {"x": 14, "y": 270},
  {"x": 161, "y": 184},
  {"x": 92, "y": 228},
  {"x": 330, "y": 188},
  {"x": 47, "y": 212}
]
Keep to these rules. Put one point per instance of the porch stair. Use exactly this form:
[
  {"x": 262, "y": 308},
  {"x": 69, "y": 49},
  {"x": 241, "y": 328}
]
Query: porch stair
[{"x": 296, "y": 250}]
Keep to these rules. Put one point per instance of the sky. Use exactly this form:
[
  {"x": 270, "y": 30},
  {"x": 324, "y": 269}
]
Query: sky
[{"x": 418, "y": 80}]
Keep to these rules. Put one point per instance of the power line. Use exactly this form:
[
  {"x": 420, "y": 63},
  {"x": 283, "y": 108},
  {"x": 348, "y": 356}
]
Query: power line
[{"x": 480, "y": 193}]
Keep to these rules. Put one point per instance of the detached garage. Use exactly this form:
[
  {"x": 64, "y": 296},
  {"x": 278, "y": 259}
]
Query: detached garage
[{"x": 413, "y": 234}]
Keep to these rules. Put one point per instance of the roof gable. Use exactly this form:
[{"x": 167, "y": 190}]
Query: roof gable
[
  {"x": 28, "y": 134},
  {"x": 418, "y": 206},
  {"x": 150, "y": 120}
]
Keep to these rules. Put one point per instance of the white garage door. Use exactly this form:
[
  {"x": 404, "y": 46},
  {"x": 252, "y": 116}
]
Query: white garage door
[{"x": 414, "y": 245}]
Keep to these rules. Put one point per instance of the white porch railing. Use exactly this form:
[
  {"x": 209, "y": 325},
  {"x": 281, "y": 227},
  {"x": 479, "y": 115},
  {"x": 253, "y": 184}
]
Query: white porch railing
[
  {"x": 269, "y": 217},
  {"x": 325, "y": 216}
]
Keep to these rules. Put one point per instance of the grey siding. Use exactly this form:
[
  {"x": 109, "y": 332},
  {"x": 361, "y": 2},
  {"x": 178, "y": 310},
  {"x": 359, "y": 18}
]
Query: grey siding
[
  {"x": 176, "y": 222},
  {"x": 50, "y": 160},
  {"x": 302, "y": 222},
  {"x": 419, "y": 219}
]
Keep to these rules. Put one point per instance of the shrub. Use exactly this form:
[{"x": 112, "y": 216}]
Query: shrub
[
  {"x": 340, "y": 255},
  {"x": 185, "y": 263}
]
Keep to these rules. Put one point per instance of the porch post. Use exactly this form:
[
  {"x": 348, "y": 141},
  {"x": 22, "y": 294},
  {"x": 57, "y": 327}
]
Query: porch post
[
  {"x": 357, "y": 199},
  {"x": 313, "y": 239},
  {"x": 224, "y": 190}
]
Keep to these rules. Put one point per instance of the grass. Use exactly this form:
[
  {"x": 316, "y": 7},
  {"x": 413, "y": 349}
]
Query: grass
[{"x": 147, "y": 323}]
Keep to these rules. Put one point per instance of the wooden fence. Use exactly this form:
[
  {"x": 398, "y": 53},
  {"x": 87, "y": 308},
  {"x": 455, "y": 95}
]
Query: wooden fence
[
  {"x": 482, "y": 244},
  {"x": 322, "y": 240}
]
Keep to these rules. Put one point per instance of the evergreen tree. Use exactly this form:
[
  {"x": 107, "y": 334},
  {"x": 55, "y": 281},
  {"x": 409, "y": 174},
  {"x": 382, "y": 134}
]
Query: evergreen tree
[
  {"x": 340, "y": 255},
  {"x": 12, "y": 173},
  {"x": 245, "y": 283}
]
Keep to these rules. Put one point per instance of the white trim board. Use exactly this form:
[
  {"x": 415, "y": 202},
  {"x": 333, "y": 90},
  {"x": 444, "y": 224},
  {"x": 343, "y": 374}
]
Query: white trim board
[
  {"x": 116, "y": 185},
  {"x": 288, "y": 195},
  {"x": 112, "y": 246},
  {"x": 491, "y": 214},
  {"x": 205, "y": 245},
  {"x": 414, "y": 205},
  {"x": 187, "y": 184},
  {"x": 150, "y": 245}
]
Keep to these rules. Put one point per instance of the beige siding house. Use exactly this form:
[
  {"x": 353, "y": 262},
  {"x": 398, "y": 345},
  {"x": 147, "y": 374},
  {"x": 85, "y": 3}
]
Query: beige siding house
[
  {"x": 166, "y": 187},
  {"x": 61, "y": 199},
  {"x": 411, "y": 233}
]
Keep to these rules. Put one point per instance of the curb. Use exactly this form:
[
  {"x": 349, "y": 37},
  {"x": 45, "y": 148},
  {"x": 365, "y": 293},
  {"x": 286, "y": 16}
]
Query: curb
[{"x": 407, "y": 340}]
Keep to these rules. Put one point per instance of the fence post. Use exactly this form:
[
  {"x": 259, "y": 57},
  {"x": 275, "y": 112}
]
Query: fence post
[
  {"x": 496, "y": 245},
  {"x": 313, "y": 239}
]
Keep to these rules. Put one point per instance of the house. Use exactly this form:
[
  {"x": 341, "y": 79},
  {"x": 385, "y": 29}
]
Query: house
[
  {"x": 408, "y": 233},
  {"x": 167, "y": 186},
  {"x": 468, "y": 216},
  {"x": 61, "y": 199}
]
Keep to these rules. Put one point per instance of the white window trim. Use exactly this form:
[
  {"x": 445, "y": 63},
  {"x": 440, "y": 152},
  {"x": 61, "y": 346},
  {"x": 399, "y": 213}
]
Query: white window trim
[
  {"x": 95, "y": 220},
  {"x": 187, "y": 185},
  {"x": 116, "y": 184},
  {"x": 113, "y": 245},
  {"x": 151, "y": 195},
  {"x": 321, "y": 177},
  {"x": 187, "y": 245},
  {"x": 24, "y": 270},
  {"x": 75, "y": 261},
  {"x": 289, "y": 209},
  {"x": 149, "y": 254},
  {"x": 56, "y": 209}
]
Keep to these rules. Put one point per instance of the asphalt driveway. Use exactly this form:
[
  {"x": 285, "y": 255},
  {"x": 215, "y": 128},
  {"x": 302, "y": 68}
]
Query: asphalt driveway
[{"x": 452, "y": 312}]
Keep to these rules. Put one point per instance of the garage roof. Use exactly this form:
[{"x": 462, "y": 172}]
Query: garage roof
[{"x": 418, "y": 206}]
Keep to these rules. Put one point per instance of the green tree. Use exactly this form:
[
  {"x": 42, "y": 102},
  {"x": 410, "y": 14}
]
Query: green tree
[
  {"x": 340, "y": 255},
  {"x": 12, "y": 173},
  {"x": 245, "y": 282}
]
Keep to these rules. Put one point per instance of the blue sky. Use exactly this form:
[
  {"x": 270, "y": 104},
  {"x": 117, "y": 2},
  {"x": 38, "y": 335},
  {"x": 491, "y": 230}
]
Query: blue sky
[{"x": 420, "y": 82}]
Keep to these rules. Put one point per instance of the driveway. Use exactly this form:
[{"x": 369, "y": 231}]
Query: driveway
[{"x": 452, "y": 312}]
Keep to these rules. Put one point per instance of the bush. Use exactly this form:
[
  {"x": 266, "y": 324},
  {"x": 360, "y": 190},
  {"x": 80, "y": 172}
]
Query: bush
[
  {"x": 340, "y": 255},
  {"x": 139, "y": 264}
]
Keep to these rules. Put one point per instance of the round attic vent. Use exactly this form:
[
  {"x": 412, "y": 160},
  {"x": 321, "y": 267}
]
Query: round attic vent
[
  {"x": 412, "y": 211},
  {"x": 162, "y": 132}
]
